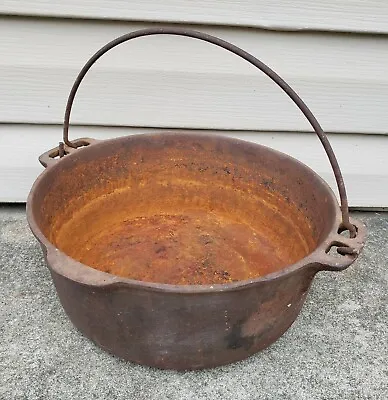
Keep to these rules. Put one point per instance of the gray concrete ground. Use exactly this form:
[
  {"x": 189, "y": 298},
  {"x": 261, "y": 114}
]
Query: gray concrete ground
[{"x": 337, "y": 348}]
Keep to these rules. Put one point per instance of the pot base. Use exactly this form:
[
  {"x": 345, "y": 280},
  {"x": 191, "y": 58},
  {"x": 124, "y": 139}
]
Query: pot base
[{"x": 194, "y": 247}]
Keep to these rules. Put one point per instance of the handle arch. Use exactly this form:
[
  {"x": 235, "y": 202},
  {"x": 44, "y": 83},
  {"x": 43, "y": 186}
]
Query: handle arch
[{"x": 247, "y": 57}]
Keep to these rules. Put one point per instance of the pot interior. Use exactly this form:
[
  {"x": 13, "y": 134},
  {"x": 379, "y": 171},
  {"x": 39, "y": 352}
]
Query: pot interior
[{"x": 183, "y": 208}]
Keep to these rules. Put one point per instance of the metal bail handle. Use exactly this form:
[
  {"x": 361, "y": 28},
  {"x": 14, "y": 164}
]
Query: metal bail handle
[{"x": 252, "y": 60}]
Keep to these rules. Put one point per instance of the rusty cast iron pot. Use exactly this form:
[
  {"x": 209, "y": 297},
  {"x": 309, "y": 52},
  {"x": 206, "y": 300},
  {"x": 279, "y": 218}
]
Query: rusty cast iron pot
[{"x": 181, "y": 250}]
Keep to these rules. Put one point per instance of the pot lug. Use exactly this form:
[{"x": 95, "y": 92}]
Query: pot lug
[
  {"x": 348, "y": 248},
  {"x": 52, "y": 156}
]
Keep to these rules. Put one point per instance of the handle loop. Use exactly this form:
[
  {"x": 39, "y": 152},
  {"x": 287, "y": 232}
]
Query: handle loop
[{"x": 246, "y": 56}]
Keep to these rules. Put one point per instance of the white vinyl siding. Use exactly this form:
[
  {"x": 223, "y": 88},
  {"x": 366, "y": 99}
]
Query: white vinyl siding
[
  {"x": 328, "y": 15},
  {"x": 173, "y": 83}
]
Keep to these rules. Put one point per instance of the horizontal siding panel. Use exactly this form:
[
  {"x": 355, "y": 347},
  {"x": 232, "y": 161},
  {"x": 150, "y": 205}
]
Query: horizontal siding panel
[
  {"x": 176, "y": 82},
  {"x": 362, "y": 157},
  {"x": 181, "y": 99},
  {"x": 330, "y": 15}
]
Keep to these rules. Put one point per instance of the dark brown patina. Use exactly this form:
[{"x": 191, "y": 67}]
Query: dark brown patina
[{"x": 182, "y": 250}]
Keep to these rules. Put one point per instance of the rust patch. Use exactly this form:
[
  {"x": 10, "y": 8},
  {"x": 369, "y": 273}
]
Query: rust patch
[
  {"x": 196, "y": 247},
  {"x": 167, "y": 211}
]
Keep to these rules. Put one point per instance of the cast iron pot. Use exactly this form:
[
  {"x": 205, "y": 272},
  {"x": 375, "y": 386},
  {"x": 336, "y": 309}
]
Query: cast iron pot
[{"x": 181, "y": 250}]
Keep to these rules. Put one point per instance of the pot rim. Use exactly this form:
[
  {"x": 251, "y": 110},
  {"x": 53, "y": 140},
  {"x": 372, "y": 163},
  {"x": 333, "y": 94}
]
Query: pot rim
[{"x": 74, "y": 270}]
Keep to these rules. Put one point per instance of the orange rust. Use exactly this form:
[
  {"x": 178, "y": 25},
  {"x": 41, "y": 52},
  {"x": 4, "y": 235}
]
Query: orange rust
[
  {"x": 182, "y": 212},
  {"x": 195, "y": 247}
]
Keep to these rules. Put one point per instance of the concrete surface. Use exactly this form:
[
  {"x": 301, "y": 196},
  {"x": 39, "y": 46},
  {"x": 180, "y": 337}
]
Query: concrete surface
[{"x": 337, "y": 349}]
